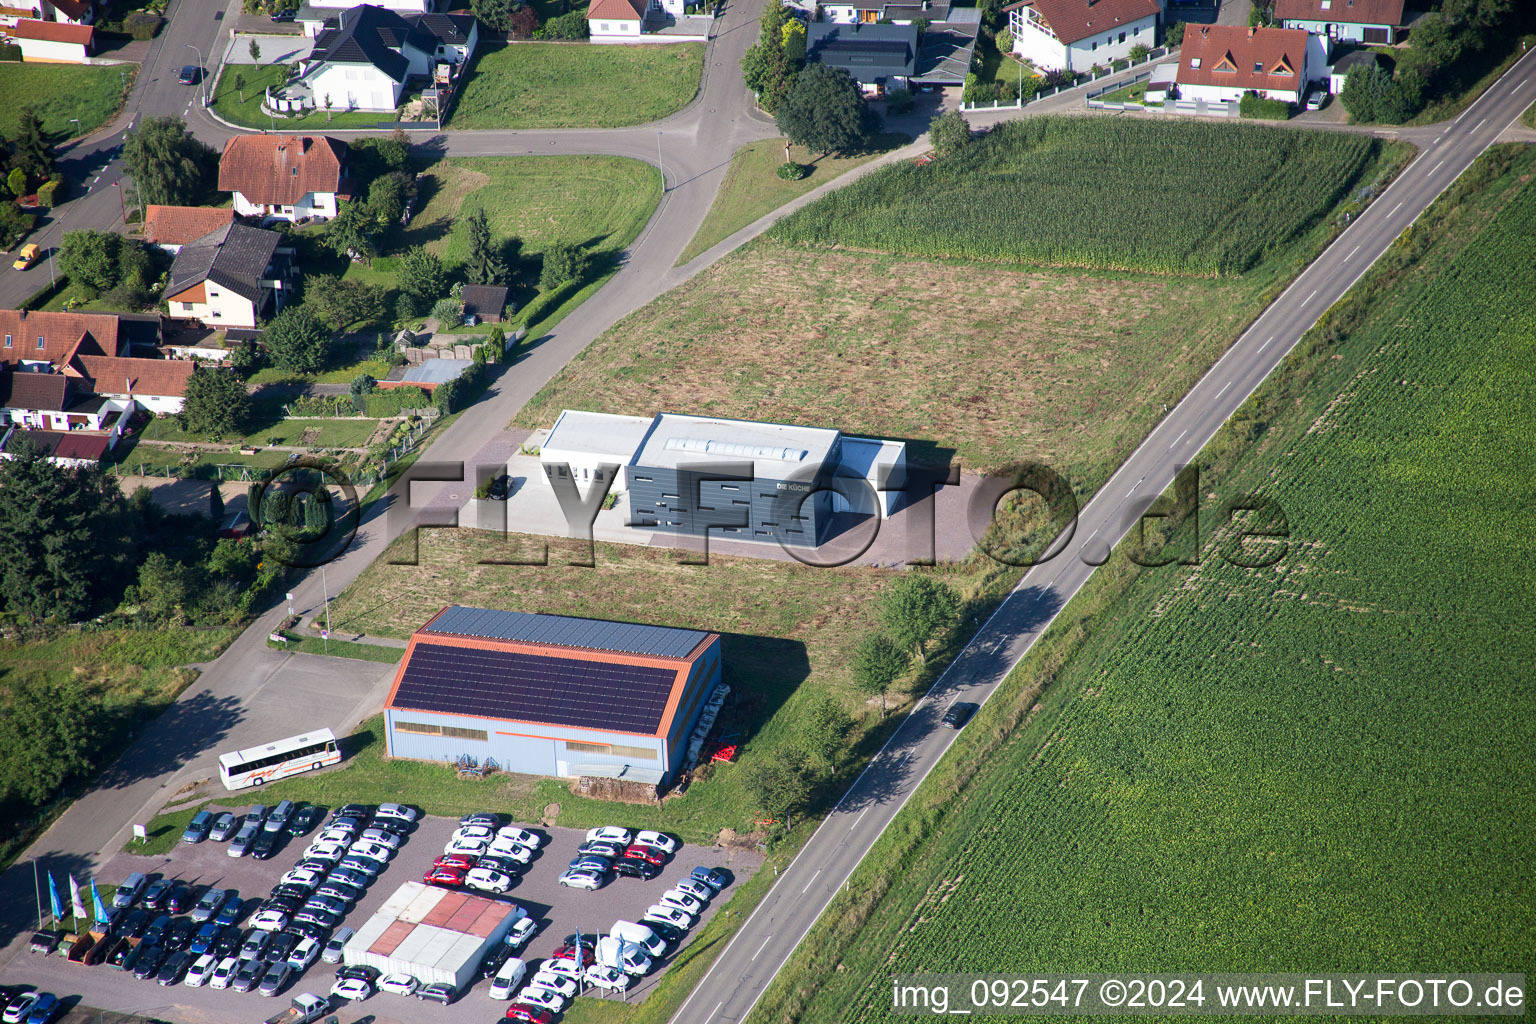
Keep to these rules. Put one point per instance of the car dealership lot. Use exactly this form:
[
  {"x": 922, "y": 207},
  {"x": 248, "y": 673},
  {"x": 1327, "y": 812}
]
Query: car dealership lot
[{"x": 559, "y": 911}]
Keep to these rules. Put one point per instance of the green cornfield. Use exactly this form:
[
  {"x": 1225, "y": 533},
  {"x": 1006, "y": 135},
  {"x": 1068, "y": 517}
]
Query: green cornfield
[
  {"x": 1178, "y": 197},
  {"x": 1324, "y": 765}
]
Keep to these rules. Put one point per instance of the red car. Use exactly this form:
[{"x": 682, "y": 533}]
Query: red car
[
  {"x": 444, "y": 876},
  {"x": 648, "y": 854},
  {"x": 568, "y": 952},
  {"x": 532, "y": 1014},
  {"x": 455, "y": 860}
]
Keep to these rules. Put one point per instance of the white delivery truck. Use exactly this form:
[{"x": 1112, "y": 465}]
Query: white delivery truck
[{"x": 640, "y": 935}]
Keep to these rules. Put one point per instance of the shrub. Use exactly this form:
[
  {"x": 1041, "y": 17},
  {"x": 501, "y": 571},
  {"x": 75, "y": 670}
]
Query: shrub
[
  {"x": 1004, "y": 40},
  {"x": 142, "y": 24},
  {"x": 1253, "y": 105},
  {"x": 566, "y": 26},
  {"x": 1139, "y": 52},
  {"x": 562, "y": 262},
  {"x": 1173, "y": 35},
  {"x": 10, "y": 51},
  {"x": 449, "y": 311},
  {"x": 48, "y": 194},
  {"x": 900, "y": 102},
  {"x": 792, "y": 171}
]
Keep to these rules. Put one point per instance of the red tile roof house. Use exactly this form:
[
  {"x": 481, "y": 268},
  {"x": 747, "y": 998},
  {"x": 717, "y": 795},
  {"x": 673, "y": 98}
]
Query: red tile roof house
[
  {"x": 171, "y": 227},
  {"x": 1348, "y": 21},
  {"x": 52, "y": 42},
  {"x": 93, "y": 348},
  {"x": 1074, "y": 35},
  {"x": 287, "y": 177},
  {"x": 1223, "y": 62},
  {"x": 616, "y": 21}
]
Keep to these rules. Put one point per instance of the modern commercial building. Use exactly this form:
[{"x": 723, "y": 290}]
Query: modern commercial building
[
  {"x": 434, "y": 935},
  {"x": 793, "y": 485},
  {"x": 551, "y": 695}
]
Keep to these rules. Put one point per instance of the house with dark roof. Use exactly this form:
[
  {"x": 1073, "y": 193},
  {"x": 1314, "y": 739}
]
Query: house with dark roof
[
  {"x": 552, "y": 695},
  {"x": 53, "y": 401},
  {"x": 1223, "y": 62},
  {"x": 1075, "y": 35},
  {"x": 230, "y": 277},
  {"x": 171, "y": 227},
  {"x": 485, "y": 302},
  {"x": 879, "y": 57},
  {"x": 364, "y": 56},
  {"x": 1351, "y": 21},
  {"x": 289, "y": 177}
]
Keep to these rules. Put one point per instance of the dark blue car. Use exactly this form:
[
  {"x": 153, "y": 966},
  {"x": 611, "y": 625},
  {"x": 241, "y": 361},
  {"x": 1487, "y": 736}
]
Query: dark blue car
[
  {"x": 44, "y": 1010},
  {"x": 206, "y": 936}
]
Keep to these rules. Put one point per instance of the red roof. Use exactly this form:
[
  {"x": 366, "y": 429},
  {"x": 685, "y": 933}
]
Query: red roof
[
  {"x": 53, "y": 31},
  {"x": 111, "y": 375},
  {"x": 279, "y": 170},
  {"x": 616, "y": 10},
  {"x": 1352, "y": 12},
  {"x": 67, "y": 444},
  {"x": 60, "y": 335},
  {"x": 178, "y": 225},
  {"x": 1244, "y": 58},
  {"x": 1073, "y": 20}
]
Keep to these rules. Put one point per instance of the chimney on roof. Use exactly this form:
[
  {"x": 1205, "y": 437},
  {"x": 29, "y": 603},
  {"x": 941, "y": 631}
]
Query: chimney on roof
[{"x": 1250, "y": 31}]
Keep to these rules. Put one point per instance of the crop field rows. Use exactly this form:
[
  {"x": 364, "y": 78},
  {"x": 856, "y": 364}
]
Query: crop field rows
[
  {"x": 1180, "y": 197},
  {"x": 1321, "y": 765}
]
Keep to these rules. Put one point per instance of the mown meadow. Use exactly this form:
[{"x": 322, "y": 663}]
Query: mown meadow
[
  {"x": 1325, "y": 765},
  {"x": 1176, "y": 197}
]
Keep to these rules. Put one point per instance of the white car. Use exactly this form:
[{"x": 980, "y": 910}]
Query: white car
[
  {"x": 325, "y": 850},
  {"x": 302, "y": 876},
  {"x": 581, "y": 880},
  {"x": 334, "y": 835},
  {"x": 508, "y": 978},
  {"x": 554, "y": 1002},
  {"x": 200, "y": 970},
  {"x": 334, "y": 948},
  {"x": 681, "y": 900},
  {"x": 609, "y": 979},
  {"x": 399, "y": 984},
  {"x": 304, "y": 953},
  {"x": 521, "y": 931},
  {"x": 565, "y": 967},
  {"x": 469, "y": 847},
  {"x": 399, "y": 812},
  {"x": 656, "y": 841},
  {"x": 373, "y": 851},
  {"x": 668, "y": 915},
  {"x": 270, "y": 921},
  {"x": 610, "y": 834},
  {"x": 224, "y": 973},
  {"x": 557, "y": 983},
  {"x": 353, "y": 989},
  {"x": 698, "y": 890},
  {"x": 510, "y": 850},
  {"x": 487, "y": 880},
  {"x": 520, "y": 836},
  {"x": 481, "y": 832},
  {"x": 382, "y": 836},
  {"x": 20, "y": 1008}
]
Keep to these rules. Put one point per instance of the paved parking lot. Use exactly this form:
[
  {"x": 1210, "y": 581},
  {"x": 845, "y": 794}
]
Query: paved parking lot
[{"x": 559, "y": 911}]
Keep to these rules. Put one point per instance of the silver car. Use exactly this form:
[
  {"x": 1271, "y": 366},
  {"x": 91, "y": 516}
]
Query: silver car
[{"x": 241, "y": 844}]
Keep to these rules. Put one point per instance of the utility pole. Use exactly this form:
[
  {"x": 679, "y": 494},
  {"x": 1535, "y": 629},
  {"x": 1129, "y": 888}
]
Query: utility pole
[
  {"x": 325, "y": 590},
  {"x": 660, "y": 164}
]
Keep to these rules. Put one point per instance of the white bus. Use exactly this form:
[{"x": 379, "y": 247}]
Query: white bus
[{"x": 278, "y": 760}]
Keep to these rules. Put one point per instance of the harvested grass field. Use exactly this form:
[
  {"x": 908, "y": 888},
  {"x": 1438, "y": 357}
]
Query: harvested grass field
[
  {"x": 752, "y": 189},
  {"x": 576, "y": 85},
  {"x": 59, "y": 92},
  {"x": 1322, "y": 765}
]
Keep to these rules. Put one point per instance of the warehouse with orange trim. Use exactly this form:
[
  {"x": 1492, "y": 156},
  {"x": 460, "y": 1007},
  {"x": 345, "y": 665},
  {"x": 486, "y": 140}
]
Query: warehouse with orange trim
[{"x": 551, "y": 695}]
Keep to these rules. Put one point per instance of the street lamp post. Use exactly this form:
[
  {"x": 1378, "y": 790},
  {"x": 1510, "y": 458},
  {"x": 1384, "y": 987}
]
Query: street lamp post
[
  {"x": 661, "y": 165},
  {"x": 202, "y": 77}
]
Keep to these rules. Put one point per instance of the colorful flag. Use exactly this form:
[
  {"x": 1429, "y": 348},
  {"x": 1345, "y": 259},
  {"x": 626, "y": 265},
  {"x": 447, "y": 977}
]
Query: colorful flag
[
  {"x": 75, "y": 903},
  {"x": 53, "y": 898},
  {"x": 96, "y": 907}
]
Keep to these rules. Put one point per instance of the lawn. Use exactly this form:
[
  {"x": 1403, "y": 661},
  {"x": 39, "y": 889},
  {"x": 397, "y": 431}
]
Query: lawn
[
  {"x": 1325, "y": 765},
  {"x": 752, "y": 189},
  {"x": 1072, "y": 191},
  {"x": 1529, "y": 117},
  {"x": 576, "y": 85},
  {"x": 308, "y": 433},
  {"x": 60, "y": 92},
  {"x": 1129, "y": 94},
  {"x": 229, "y": 105}
]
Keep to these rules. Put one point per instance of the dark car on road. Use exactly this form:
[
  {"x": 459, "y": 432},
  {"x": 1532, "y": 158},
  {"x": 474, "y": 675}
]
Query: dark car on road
[
  {"x": 958, "y": 714},
  {"x": 191, "y": 74}
]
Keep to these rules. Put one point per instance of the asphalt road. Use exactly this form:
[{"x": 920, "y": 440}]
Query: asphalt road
[{"x": 765, "y": 942}]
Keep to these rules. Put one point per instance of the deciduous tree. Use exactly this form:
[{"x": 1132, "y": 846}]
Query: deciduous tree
[
  {"x": 298, "y": 340},
  {"x": 824, "y": 110},
  {"x": 949, "y": 132},
  {"x": 168, "y": 165},
  {"x": 917, "y": 609},
  {"x": 877, "y": 663},
  {"x": 48, "y": 738},
  {"x": 216, "y": 402},
  {"x": 422, "y": 279},
  {"x": 562, "y": 262}
]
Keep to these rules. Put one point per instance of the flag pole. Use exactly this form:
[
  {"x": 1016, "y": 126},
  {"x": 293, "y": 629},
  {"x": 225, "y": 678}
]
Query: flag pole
[{"x": 38, "y": 892}]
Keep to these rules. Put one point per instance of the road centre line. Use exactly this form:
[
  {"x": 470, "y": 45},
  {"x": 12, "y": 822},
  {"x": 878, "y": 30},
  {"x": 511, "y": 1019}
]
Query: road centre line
[{"x": 810, "y": 883}]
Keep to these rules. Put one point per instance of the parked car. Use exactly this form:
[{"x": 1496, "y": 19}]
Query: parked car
[
  {"x": 521, "y": 931},
  {"x": 179, "y": 934},
  {"x": 356, "y": 879},
  {"x": 248, "y": 975},
  {"x": 223, "y": 827},
  {"x": 610, "y": 833},
  {"x": 224, "y": 973},
  {"x": 361, "y": 865},
  {"x": 399, "y": 984},
  {"x": 17, "y": 1009},
  {"x": 456, "y": 860},
  {"x": 45, "y": 1009},
  {"x": 485, "y": 818},
  {"x": 323, "y": 850},
  {"x": 506, "y": 849},
  {"x": 228, "y": 942},
  {"x": 197, "y": 829},
  {"x": 159, "y": 889},
  {"x": 574, "y": 879},
  {"x": 304, "y": 954},
  {"x": 659, "y": 840},
  {"x": 241, "y": 844},
  {"x": 464, "y": 845},
  {"x": 591, "y": 862},
  {"x": 282, "y": 17},
  {"x": 612, "y": 851},
  {"x": 149, "y": 961},
  {"x": 155, "y": 934},
  {"x": 649, "y": 854},
  {"x": 508, "y": 976},
  {"x": 381, "y": 836},
  {"x": 439, "y": 992},
  {"x": 339, "y": 890},
  {"x": 277, "y": 821},
  {"x": 521, "y": 836},
  {"x": 372, "y": 851},
  {"x": 500, "y": 488},
  {"x": 129, "y": 890},
  {"x": 556, "y": 983},
  {"x": 398, "y": 812},
  {"x": 1316, "y": 98},
  {"x": 233, "y": 910},
  {"x": 180, "y": 899},
  {"x": 667, "y": 915},
  {"x": 488, "y": 881},
  {"x": 304, "y": 819},
  {"x": 275, "y": 979},
  {"x": 271, "y": 919},
  {"x": 257, "y": 814},
  {"x": 316, "y": 917},
  {"x": 351, "y": 811},
  {"x": 543, "y": 998},
  {"x": 265, "y": 844},
  {"x": 715, "y": 878},
  {"x": 209, "y": 906},
  {"x": 255, "y": 941},
  {"x": 303, "y": 877},
  {"x": 174, "y": 967},
  {"x": 609, "y": 979},
  {"x": 958, "y": 714},
  {"x": 206, "y": 936},
  {"x": 632, "y": 868},
  {"x": 484, "y": 833},
  {"x": 279, "y": 946},
  {"x": 444, "y": 877},
  {"x": 327, "y": 904},
  {"x": 333, "y": 948},
  {"x": 698, "y": 890},
  {"x": 529, "y": 1014}
]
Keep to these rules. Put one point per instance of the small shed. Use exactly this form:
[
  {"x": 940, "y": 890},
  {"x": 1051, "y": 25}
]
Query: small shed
[
  {"x": 1161, "y": 82},
  {"x": 484, "y": 302},
  {"x": 1339, "y": 72}
]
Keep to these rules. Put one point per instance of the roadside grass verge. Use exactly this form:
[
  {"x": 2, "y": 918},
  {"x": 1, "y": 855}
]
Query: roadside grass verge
[
  {"x": 576, "y": 85},
  {"x": 1505, "y": 52},
  {"x": 338, "y": 649},
  {"x": 1193, "y": 757},
  {"x": 752, "y": 189},
  {"x": 58, "y": 93}
]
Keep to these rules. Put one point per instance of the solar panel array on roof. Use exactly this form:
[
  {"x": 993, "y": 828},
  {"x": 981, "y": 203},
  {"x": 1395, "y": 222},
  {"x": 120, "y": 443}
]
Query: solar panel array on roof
[
  {"x": 534, "y": 688},
  {"x": 564, "y": 631}
]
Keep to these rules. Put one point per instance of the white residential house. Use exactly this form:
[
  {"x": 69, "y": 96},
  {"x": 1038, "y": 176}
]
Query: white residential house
[
  {"x": 364, "y": 57},
  {"x": 1075, "y": 35},
  {"x": 53, "y": 42},
  {"x": 230, "y": 278},
  {"x": 288, "y": 177},
  {"x": 1345, "y": 21},
  {"x": 616, "y": 21},
  {"x": 1221, "y": 63}
]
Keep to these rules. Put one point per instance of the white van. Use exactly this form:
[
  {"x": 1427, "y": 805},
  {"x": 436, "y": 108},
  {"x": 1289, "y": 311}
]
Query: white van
[
  {"x": 640, "y": 935},
  {"x": 628, "y": 957},
  {"x": 508, "y": 978}
]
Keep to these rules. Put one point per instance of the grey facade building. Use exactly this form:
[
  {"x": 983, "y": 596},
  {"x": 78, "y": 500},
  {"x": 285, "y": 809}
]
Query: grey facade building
[
  {"x": 551, "y": 695},
  {"x": 879, "y": 57}
]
